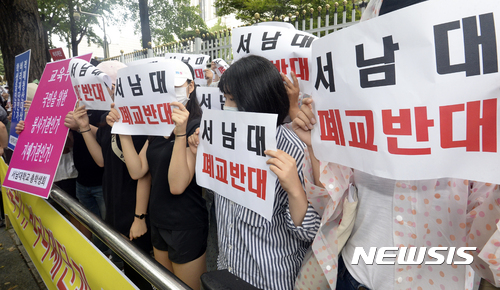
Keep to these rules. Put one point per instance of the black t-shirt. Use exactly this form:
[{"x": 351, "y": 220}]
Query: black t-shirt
[
  {"x": 89, "y": 173},
  {"x": 119, "y": 189},
  {"x": 167, "y": 211}
]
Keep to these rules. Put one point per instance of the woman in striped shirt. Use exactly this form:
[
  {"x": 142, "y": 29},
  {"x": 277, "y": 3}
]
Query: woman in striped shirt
[{"x": 266, "y": 254}]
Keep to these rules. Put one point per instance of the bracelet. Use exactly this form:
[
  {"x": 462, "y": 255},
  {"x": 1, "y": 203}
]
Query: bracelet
[
  {"x": 81, "y": 132},
  {"x": 182, "y": 135}
]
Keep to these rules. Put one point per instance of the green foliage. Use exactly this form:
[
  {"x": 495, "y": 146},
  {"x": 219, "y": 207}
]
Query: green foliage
[
  {"x": 245, "y": 10},
  {"x": 169, "y": 20},
  {"x": 57, "y": 15},
  {"x": 218, "y": 26}
]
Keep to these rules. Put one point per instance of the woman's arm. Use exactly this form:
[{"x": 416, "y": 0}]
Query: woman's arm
[
  {"x": 182, "y": 164},
  {"x": 139, "y": 226},
  {"x": 89, "y": 134},
  {"x": 284, "y": 166},
  {"x": 302, "y": 126},
  {"x": 137, "y": 164}
]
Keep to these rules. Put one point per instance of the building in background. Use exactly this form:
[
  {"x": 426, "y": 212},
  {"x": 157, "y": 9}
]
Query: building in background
[{"x": 208, "y": 14}]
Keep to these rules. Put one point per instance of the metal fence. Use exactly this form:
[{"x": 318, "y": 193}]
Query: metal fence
[
  {"x": 218, "y": 44},
  {"x": 146, "y": 266}
]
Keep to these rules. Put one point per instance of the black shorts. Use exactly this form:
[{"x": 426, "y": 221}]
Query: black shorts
[{"x": 182, "y": 246}]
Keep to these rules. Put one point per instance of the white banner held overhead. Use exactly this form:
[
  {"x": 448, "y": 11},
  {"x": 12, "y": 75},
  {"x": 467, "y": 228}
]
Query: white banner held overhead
[
  {"x": 197, "y": 61},
  {"x": 408, "y": 97},
  {"x": 90, "y": 84},
  {"x": 210, "y": 98},
  {"x": 143, "y": 94},
  {"x": 231, "y": 160},
  {"x": 287, "y": 48}
]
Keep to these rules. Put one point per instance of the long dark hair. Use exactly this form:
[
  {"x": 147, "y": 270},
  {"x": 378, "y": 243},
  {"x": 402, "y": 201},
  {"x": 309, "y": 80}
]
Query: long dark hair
[{"x": 256, "y": 86}]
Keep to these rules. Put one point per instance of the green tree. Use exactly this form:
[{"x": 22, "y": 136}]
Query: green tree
[
  {"x": 168, "y": 19},
  {"x": 245, "y": 10},
  {"x": 218, "y": 26},
  {"x": 21, "y": 29},
  {"x": 58, "y": 19}
]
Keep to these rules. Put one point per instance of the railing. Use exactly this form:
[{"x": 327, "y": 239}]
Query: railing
[
  {"x": 147, "y": 267},
  {"x": 218, "y": 44}
]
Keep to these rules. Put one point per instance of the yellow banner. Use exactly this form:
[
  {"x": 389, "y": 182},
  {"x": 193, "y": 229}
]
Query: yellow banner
[{"x": 64, "y": 258}]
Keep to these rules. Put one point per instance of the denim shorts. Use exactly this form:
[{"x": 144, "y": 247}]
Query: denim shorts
[{"x": 345, "y": 281}]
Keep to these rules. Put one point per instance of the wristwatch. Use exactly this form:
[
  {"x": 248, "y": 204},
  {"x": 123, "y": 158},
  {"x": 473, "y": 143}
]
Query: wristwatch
[{"x": 140, "y": 216}]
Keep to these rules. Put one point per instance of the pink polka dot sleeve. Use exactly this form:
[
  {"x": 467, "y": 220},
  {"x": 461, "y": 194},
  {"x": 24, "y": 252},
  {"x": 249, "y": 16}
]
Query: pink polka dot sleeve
[{"x": 483, "y": 221}]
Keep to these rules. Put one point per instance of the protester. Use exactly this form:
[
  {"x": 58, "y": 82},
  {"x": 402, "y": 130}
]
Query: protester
[
  {"x": 445, "y": 212},
  {"x": 119, "y": 189},
  {"x": 66, "y": 173},
  {"x": 266, "y": 254},
  {"x": 177, "y": 210}
]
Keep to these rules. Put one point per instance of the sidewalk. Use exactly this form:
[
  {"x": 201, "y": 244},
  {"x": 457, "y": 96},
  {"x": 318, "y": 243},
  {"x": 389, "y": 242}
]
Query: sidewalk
[{"x": 16, "y": 269}]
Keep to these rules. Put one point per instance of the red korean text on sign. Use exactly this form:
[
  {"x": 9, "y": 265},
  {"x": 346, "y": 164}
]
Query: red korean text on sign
[
  {"x": 479, "y": 130},
  {"x": 422, "y": 125}
]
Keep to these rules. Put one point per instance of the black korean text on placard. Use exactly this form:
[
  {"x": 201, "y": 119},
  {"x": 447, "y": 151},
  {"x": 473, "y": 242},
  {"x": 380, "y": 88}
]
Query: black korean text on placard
[
  {"x": 256, "y": 135},
  {"x": 222, "y": 100},
  {"x": 136, "y": 87},
  {"x": 244, "y": 43},
  {"x": 305, "y": 41},
  {"x": 384, "y": 64},
  {"x": 472, "y": 41},
  {"x": 328, "y": 68},
  {"x": 119, "y": 88},
  {"x": 157, "y": 80},
  {"x": 206, "y": 101},
  {"x": 74, "y": 66},
  {"x": 228, "y": 137},
  {"x": 84, "y": 69},
  {"x": 269, "y": 43},
  {"x": 207, "y": 131}
]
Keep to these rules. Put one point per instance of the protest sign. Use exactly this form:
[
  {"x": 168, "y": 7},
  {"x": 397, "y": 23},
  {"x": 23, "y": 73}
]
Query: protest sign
[
  {"x": 57, "y": 54},
  {"x": 416, "y": 100},
  {"x": 230, "y": 159},
  {"x": 220, "y": 66},
  {"x": 210, "y": 98},
  {"x": 20, "y": 91},
  {"x": 40, "y": 145},
  {"x": 287, "y": 48},
  {"x": 197, "y": 61},
  {"x": 90, "y": 85},
  {"x": 143, "y": 94},
  {"x": 63, "y": 257}
]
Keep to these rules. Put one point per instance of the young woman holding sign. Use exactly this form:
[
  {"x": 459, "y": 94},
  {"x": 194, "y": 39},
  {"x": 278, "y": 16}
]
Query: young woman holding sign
[
  {"x": 266, "y": 254},
  {"x": 177, "y": 210},
  {"x": 449, "y": 213}
]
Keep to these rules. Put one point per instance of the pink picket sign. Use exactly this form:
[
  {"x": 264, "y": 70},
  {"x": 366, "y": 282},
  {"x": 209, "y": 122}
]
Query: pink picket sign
[{"x": 34, "y": 162}]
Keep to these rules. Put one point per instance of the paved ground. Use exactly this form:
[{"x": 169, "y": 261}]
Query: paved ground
[{"x": 16, "y": 269}]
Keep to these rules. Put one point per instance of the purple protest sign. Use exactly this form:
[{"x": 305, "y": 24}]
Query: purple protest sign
[{"x": 39, "y": 147}]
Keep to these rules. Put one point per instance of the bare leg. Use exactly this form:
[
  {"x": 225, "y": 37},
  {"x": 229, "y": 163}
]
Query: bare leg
[
  {"x": 162, "y": 258},
  {"x": 190, "y": 272}
]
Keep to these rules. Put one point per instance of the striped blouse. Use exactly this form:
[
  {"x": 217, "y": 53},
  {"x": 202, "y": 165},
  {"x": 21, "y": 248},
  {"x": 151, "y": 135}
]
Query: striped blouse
[{"x": 266, "y": 254}]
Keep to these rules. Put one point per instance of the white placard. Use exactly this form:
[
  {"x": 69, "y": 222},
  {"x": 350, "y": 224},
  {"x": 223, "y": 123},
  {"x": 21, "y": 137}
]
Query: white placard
[
  {"x": 231, "y": 160},
  {"x": 90, "y": 84},
  {"x": 287, "y": 48},
  {"x": 220, "y": 66},
  {"x": 143, "y": 94},
  {"x": 210, "y": 98},
  {"x": 197, "y": 61},
  {"x": 408, "y": 97}
]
